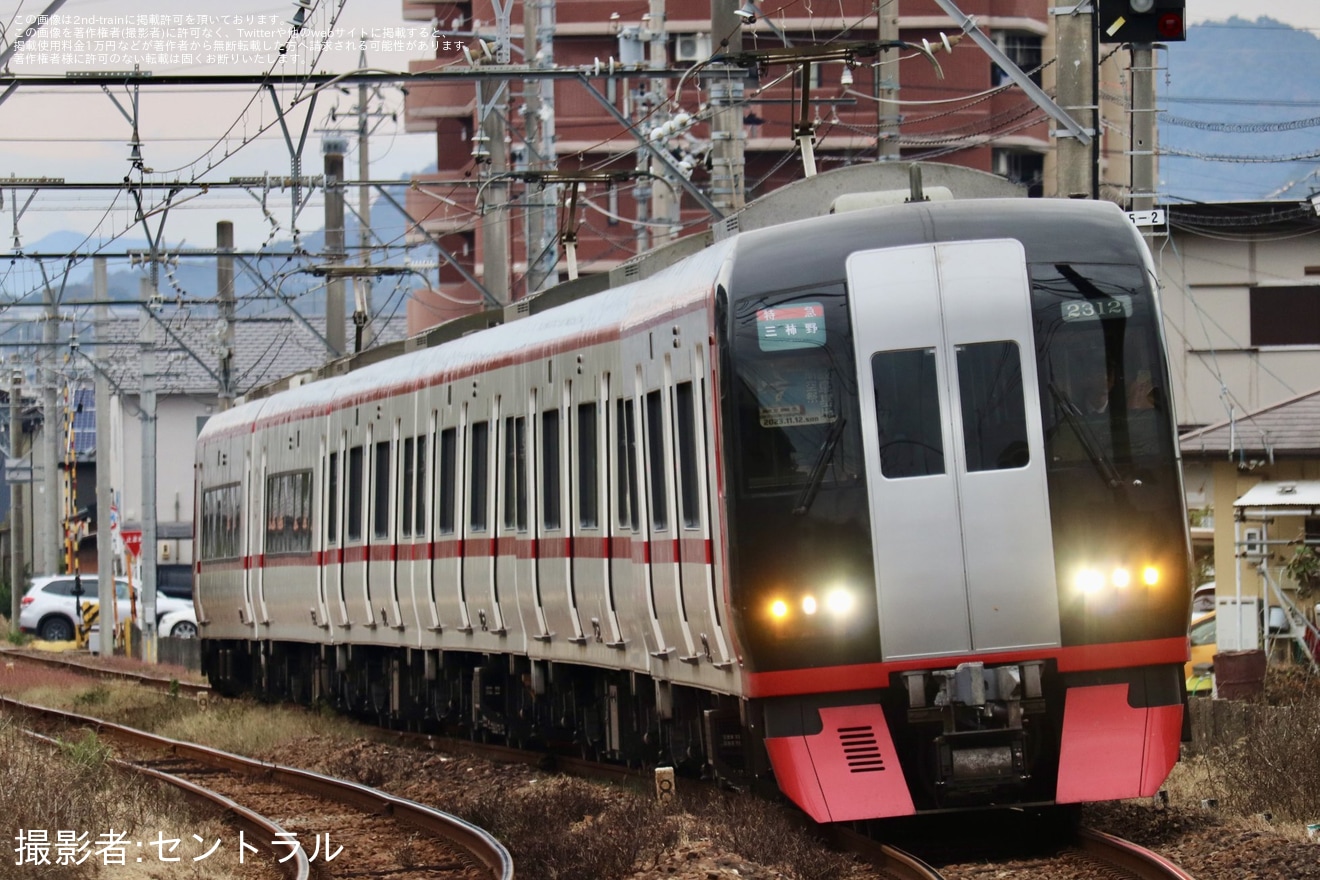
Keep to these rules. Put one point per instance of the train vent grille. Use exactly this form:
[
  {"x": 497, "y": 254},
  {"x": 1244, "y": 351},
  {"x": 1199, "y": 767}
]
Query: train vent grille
[{"x": 861, "y": 749}]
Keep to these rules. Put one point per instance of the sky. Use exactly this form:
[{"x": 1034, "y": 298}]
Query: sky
[{"x": 83, "y": 136}]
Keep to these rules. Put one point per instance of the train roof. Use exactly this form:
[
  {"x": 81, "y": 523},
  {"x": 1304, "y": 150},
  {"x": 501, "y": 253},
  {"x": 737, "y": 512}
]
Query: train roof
[
  {"x": 815, "y": 250},
  {"x": 599, "y": 317}
]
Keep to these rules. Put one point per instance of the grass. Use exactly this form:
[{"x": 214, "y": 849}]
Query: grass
[{"x": 71, "y": 790}]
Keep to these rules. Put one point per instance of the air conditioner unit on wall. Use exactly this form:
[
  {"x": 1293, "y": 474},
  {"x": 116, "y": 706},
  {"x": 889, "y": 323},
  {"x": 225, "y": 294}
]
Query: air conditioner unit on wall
[{"x": 691, "y": 47}]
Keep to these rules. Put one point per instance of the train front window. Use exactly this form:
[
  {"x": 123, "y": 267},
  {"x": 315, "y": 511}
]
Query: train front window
[
  {"x": 794, "y": 376},
  {"x": 1105, "y": 405}
]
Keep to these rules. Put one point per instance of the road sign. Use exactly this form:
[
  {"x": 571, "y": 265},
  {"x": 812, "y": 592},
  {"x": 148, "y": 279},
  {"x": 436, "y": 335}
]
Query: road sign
[{"x": 133, "y": 541}]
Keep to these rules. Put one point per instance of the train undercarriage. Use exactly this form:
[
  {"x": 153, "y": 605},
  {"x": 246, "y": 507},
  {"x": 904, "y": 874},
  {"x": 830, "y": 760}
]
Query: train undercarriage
[{"x": 606, "y": 715}]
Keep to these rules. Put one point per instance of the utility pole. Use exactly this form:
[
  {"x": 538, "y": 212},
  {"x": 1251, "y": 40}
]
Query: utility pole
[
  {"x": 51, "y": 540},
  {"x": 147, "y": 339},
  {"x": 364, "y": 200},
  {"x": 333, "y": 149},
  {"x": 886, "y": 74},
  {"x": 1076, "y": 172},
  {"x": 1143, "y": 127},
  {"x": 224, "y": 286},
  {"x": 495, "y": 197},
  {"x": 105, "y": 565},
  {"x": 728, "y": 184},
  {"x": 539, "y": 113},
  {"x": 664, "y": 209},
  {"x": 17, "y": 564}
]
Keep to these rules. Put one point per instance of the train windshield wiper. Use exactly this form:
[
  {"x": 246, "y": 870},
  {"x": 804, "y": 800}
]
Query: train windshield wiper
[
  {"x": 1108, "y": 472},
  {"x": 818, "y": 469}
]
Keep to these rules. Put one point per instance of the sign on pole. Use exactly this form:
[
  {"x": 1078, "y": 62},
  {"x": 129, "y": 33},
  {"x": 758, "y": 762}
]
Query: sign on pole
[{"x": 133, "y": 542}]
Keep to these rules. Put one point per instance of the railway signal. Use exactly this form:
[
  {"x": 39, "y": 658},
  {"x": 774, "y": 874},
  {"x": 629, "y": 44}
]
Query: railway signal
[{"x": 1141, "y": 21}]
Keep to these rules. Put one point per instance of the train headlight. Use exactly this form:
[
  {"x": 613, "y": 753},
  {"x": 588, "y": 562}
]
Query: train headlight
[
  {"x": 839, "y": 602},
  {"x": 1150, "y": 575},
  {"x": 779, "y": 609},
  {"x": 1121, "y": 578},
  {"x": 808, "y": 604},
  {"x": 1090, "y": 581}
]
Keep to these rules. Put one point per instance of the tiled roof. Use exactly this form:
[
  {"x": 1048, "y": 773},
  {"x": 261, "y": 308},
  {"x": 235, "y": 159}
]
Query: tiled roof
[
  {"x": 1290, "y": 427},
  {"x": 188, "y": 356}
]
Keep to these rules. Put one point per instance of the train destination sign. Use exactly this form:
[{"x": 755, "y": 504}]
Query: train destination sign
[{"x": 795, "y": 325}]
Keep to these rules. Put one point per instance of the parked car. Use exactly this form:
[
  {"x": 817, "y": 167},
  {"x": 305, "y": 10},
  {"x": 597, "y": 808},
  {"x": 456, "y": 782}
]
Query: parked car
[
  {"x": 49, "y": 608},
  {"x": 1200, "y": 665},
  {"x": 1203, "y": 599}
]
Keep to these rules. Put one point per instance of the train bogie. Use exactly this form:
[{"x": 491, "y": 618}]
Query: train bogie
[{"x": 824, "y": 505}]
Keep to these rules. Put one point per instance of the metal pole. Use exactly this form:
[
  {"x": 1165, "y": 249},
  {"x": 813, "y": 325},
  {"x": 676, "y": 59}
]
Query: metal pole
[{"x": 663, "y": 207}]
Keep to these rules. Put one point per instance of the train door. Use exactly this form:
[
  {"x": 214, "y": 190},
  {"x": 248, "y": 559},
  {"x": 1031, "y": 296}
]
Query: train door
[
  {"x": 411, "y": 587},
  {"x": 666, "y": 584},
  {"x": 593, "y": 590},
  {"x": 953, "y": 440},
  {"x": 321, "y": 536},
  {"x": 428, "y": 524},
  {"x": 692, "y": 511},
  {"x": 479, "y": 544},
  {"x": 632, "y": 571},
  {"x": 249, "y": 553},
  {"x": 334, "y": 518},
  {"x": 258, "y": 497},
  {"x": 516, "y": 575},
  {"x": 556, "y": 590},
  {"x": 354, "y": 571},
  {"x": 447, "y": 558}
]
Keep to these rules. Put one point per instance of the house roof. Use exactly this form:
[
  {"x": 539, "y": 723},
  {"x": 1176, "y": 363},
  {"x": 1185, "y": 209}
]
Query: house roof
[
  {"x": 1289, "y": 428},
  {"x": 188, "y": 354}
]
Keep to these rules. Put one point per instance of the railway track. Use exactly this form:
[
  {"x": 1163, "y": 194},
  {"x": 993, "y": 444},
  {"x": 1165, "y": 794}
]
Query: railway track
[
  {"x": 1086, "y": 854},
  {"x": 287, "y": 810}
]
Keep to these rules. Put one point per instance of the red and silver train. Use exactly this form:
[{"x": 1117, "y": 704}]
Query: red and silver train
[{"x": 883, "y": 507}]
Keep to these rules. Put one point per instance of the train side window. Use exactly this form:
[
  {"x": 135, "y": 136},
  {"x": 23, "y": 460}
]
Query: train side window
[
  {"x": 994, "y": 413},
  {"x": 448, "y": 478},
  {"x": 289, "y": 512},
  {"x": 515, "y": 473},
  {"x": 655, "y": 456},
  {"x": 380, "y": 514},
  {"x": 477, "y": 482},
  {"x": 550, "y": 475},
  {"x": 588, "y": 505},
  {"x": 686, "y": 428},
  {"x": 419, "y": 522},
  {"x": 907, "y": 413},
  {"x": 626, "y": 434},
  {"x": 354, "y": 484},
  {"x": 220, "y": 530},
  {"x": 406, "y": 501},
  {"x": 332, "y": 499}
]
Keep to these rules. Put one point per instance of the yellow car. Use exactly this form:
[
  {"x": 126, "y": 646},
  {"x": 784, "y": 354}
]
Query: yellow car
[{"x": 1201, "y": 662}]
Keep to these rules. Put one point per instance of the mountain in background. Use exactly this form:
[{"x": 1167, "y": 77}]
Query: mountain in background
[
  {"x": 195, "y": 278},
  {"x": 1245, "y": 89}
]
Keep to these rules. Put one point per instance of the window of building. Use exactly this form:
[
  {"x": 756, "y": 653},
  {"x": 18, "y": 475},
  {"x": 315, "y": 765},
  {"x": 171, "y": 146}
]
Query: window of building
[
  {"x": 1285, "y": 315},
  {"x": 1023, "y": 49}
]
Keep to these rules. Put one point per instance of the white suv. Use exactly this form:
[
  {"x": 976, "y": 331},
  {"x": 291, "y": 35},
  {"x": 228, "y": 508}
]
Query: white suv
[{"x": 50, "y": 608}]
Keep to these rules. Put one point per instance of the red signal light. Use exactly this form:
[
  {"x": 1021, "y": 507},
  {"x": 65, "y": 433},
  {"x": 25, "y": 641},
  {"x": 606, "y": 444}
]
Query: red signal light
[{"x": 1170, "y": 26}]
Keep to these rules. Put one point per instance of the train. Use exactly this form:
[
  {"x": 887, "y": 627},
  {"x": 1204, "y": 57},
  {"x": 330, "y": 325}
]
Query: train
[{"x": 881, "y": 509}]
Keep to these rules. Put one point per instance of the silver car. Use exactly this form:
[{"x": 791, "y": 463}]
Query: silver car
[{"x": 49, "y": 608}]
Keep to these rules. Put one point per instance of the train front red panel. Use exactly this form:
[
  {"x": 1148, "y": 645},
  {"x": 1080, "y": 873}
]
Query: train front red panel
[
  {"x": 1110, "y": 750},
  {"x": 847, "y": 771}
]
